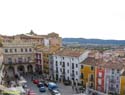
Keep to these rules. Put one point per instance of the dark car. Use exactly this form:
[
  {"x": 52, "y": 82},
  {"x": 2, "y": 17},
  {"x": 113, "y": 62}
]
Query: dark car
[
  {"x": 40, "y": 84},
  {"x": 42, "y": 89},
  {"x": 67, "y": 83}
]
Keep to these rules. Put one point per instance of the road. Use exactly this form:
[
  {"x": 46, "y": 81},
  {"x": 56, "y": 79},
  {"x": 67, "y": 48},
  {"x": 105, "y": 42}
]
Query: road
[{"x": 65, "y": 90}]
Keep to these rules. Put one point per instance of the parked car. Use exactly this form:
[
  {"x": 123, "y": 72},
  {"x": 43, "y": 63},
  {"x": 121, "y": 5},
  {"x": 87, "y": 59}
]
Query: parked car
[
  {"x": 40, "y": 84},
  {"x": 67, "y": 83},
  {"x": 35, "y": 81},
  {"x": 31, "y": 92},
  {"x": 55, "y": 92},
  {"x": 52, "y": 86},
  {"x": 42, "y": 89}
]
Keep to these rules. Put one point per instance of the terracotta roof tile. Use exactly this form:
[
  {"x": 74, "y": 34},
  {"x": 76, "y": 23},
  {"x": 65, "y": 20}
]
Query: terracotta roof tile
[{"x": 70, "y": 52}]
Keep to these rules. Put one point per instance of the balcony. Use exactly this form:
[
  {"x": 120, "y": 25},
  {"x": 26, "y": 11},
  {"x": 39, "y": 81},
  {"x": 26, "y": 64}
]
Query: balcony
[
  {"x": 73, "y": 75},
  {"x": 63, "y": 73},
  {"x": 112, "y": 89},
  {"x": 113, "y": 81},
  {"x": 63, "y": 66},
  {"x": 91, "y": 79},
  {"x": 99, "y": 76}
]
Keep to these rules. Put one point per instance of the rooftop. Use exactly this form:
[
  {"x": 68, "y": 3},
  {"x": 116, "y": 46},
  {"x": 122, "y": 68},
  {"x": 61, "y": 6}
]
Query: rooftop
[
  {"x": 72, "y": 52},
  {"x": 92, "y": 61}
]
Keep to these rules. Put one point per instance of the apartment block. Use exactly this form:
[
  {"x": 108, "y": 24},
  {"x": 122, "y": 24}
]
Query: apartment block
[{"x": 67, "y": 64}]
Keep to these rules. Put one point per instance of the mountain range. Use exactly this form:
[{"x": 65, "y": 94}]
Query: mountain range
[{"x": 92, "y": 41}]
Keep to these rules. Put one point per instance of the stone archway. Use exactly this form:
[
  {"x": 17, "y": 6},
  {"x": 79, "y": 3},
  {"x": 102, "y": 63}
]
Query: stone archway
[
  {"x": 10, "y": 71},
  {"x": 30, "y": 68},
  {"x": 21, "y": 69}
]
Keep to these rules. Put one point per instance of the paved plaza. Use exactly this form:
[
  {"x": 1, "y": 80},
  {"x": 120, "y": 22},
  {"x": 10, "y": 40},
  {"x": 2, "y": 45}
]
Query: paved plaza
[{"x": 64, "y": 90}]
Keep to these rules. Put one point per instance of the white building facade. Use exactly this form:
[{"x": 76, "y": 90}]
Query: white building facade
[{"x": 67, "y": 66}]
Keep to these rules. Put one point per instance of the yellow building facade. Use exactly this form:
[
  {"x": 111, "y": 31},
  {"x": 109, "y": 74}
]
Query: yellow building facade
[
  {"x": 122, "y": 84},
  {"x": 88, "y": 73}
]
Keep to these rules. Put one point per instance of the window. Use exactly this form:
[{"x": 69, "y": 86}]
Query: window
[
  {"x": 117, "y": 86},
  {"x": 99, "y": 81},
  {"x": 82, "y": 66},
  {"x": 63, "y": 58},
  {"x": 82, "y": 82},
  {"x": 72, "y": 59},
  {"x": 67, "y": 71},
  {"x": 63, "y": 64},
  {"x": 15, "y": 50},
  {"x": 6, "y": 50},
  {"x": 118, "y": 71},
  {"x": 60, "y": 70},
  {"x": 92, "y": 68},
  {"x": 20, "y": 60},
  {"x": 25, "y": 49},
  {"x": 21, "y": 50},
  {"x": 76, "y": 65},
  {"x": 10, "y": 50},
  {"x": 67, "y": 64},
  {"x": 76, "y": 73},
  {"x": 29, "y": 59},
  {"x": 56, "y": 64},
  {"x": 72, "y": 65},
  {"x": 68, "y": 78},
  {"x": 92, "y": 77},
  {"x": 100, "y": 74},
  {"x": 117, "y": 78},
  {"x": 56, "y": 70},
  {"x": 112, "y": 71},
  {"x": 73, "y": 73},
  {"x": 9, "y": 60},
  {"x": 82, "y": 76},
  {"x": 91, "y": 84},
  {"x": 30, "y": 49},
  {"x": 60, "y": 63}
]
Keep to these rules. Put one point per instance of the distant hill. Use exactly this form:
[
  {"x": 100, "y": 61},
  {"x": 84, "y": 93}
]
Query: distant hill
[{"x": 93, "y": 41}]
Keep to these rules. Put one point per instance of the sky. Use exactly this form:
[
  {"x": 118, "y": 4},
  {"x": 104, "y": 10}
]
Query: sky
[{"x": 103, "y": 19}]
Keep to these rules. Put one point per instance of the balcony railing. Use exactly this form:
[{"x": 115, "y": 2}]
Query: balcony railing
[
  {"x": 63, "y": 65},
  {"x": 14, "y": 63},
  {"x": 91, "y": 79},
  {"x": 112, "y": 81},
  {"x": 99, "y": 76},
  {"x": 112, "y": 89},
  {"x": 63, "y": 73}
]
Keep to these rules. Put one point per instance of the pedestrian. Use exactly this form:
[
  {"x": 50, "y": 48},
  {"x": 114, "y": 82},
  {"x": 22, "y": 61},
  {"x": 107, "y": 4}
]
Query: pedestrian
[
  {"x": 73, "y": 88},
  {"x": 76, "y": 90},
  {"x": 31, "y": 77}
]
